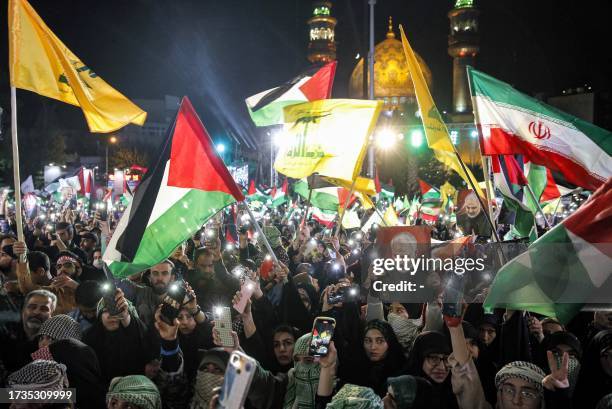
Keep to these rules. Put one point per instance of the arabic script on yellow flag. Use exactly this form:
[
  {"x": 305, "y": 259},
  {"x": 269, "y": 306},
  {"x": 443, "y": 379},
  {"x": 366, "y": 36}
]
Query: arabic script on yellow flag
[{"x": 41, "y": 63}]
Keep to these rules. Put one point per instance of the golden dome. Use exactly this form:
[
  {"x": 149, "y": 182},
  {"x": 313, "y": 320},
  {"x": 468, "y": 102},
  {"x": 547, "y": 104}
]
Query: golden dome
[{"x": 391, "y": 76}]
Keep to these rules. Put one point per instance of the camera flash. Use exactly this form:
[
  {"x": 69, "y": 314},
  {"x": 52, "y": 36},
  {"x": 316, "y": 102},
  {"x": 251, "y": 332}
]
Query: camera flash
[
  {"x": 353, "y": 291},
  {"x": 218, "y": 310},
  {"x": 268, "y": 257},
  {"x": 351, "y": 242},
  {"x": 174, "y": 287},
  {"x": 106, "y": 286},
  {"x": 336, "y": 266},
  {"x": 356, "y": 251},
  {"x": 359, "y": 236},
  {"x": 210, "y": 233},
  {"x": 229, "y": 246},
  {"x": 249, "y": 286}
]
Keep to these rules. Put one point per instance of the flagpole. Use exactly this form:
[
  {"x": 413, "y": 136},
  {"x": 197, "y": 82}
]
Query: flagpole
[
  {"x": 381, "y": 216},
  {"x": 538, "y": 205},
  {"x": 16, "y": 179},
  {"x": 485, "y": 169},
  {"x": 346, "y": 201},
  {"x": 261, "y": 233},
  {"x": 307, "y": 206},
  {"x": 554, "y": 215}
]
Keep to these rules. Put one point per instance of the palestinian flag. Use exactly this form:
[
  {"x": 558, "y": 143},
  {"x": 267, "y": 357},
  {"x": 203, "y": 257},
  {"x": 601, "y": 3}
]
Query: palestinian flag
[
  {"x": 509, "y": 180},
  {"x": 280, "y": 197},
  {"x": 515, "y": 123},
  {"x": 565, "y": 268},
  {"x": 425, "y": 187},
  {"x": 326, "y": 198},
  {"x": 182, "y": 189},
  {"x": 266, "y": 108},
  {"x": 256, "y": 195}
]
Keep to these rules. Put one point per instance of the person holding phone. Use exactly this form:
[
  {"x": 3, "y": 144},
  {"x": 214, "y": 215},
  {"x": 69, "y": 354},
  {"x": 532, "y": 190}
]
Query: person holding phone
[{"x": 120, "y": 341}]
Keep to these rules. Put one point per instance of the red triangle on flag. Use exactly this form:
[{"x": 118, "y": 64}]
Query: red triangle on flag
[
  {"x": 424, "y": 186},
  {"x": 194, "y": 162},
  {"x": 252, "y": 189},
  {"x": 319, "y": 86},
  {"x": 285, "y": 186}
]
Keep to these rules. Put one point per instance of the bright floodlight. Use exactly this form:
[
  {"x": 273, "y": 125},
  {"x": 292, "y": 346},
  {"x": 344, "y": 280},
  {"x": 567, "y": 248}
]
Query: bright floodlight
[
  {"x": 416, "y": 138},
  {"x": 385, "y": 139},
  {"x": 279, "y": 137},
  {"x": 474, "y": 134},
  {"x": 220, "y": 148}
]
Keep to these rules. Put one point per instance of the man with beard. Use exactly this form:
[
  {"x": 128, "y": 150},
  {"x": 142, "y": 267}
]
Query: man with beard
[
  {"x": 63, "y": 240},
  {"x": 88, "y": 244},
  {"x": 471, "y": 218},
  {"x": 20, "y": 340},
  {"x": 147, "y": 298},
  {"x": 212, "y": 283}
]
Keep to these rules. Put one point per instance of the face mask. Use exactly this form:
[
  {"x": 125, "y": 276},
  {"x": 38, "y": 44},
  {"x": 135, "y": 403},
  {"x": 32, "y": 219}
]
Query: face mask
[
  {"x": 204, "y": 385},
  {"x": 405, "y": 329},
  {"x": 573, "y": 370},
  {"x": 97, "y": 263}
]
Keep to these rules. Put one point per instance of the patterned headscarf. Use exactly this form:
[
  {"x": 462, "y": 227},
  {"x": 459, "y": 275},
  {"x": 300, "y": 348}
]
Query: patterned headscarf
[
  {"x": 355, "y": 397},
  {"x": 605, "y": 402},
  {"x": 526, "y": 371},
  {"x": 135, "y": 389},
  {"x": 406, "y": 329},
  {"x": 205, "y": 381},
  {"x": 40, "y": 374},
  {"x": 60, "y": 327},
  {"x": 273, "y": 236},
  {"x": 303, "y": 378}
]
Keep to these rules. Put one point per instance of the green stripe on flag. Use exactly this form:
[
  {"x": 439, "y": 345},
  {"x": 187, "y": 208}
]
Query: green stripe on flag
[{"x": 171, "y": 228}]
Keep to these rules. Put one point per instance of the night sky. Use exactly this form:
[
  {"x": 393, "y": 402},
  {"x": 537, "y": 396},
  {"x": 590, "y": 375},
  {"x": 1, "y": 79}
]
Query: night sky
[{"x": 220, "y": 52}]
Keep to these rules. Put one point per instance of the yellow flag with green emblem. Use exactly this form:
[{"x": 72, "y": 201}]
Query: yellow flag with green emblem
[
  {"x": 436, "y": 132},
  {"x": 41, "y": 63},
  {"x": 328, "y": 137}
]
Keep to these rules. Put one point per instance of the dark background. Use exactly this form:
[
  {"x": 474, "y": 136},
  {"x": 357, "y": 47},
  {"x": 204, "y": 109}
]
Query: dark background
[{"x": 220, "y": 52}]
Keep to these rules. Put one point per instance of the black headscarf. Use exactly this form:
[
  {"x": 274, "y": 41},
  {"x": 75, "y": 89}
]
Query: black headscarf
[
  {"x": 375, "y": 374},
  {"x": 593, "y": 382},
  {"x": 432, "y": 342},
  {"x": 83, "y": 370}
]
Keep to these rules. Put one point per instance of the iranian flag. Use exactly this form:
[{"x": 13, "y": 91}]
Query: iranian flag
[
  {"x": 279, "y": 196},
  {"x": 266, "y": 107},
  {"x": 324, "y": 217},
  {"x": 567, "y": 267},
  {"x": 185, "y": 186},
  {"x": 515, "y": 123}
]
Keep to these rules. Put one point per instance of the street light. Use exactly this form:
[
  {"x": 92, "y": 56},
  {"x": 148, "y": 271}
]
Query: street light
[
  {"x": 385, "y": 139},
  {"x": 113, "y": 139}
]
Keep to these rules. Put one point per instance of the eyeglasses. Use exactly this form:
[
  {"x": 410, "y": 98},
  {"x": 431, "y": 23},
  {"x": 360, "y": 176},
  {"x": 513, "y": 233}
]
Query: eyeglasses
[
  {"x": 511, "y": 392},
  {"x": 435, "y": 360}
]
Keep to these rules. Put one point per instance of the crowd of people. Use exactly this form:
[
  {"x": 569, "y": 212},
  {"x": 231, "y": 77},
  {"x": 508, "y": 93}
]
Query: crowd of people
[{"x": 66, "y": 323}]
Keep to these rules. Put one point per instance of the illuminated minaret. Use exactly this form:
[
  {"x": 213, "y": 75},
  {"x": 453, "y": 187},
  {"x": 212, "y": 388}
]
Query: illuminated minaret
[
  {"x": 463, "y": 45},
  {"x": 322, "y": 44}
]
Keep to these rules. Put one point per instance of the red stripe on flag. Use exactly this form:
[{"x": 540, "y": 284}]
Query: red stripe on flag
[
  {"x": 252, "y": 189},
  {"x": 551, "y": 191},
  {"x": 503, "y": 143},
  {"x": 191, "y": 141},
  {"x": 593, "y": 220},
  {"x": 319, "y": 86},
  {"x": 425, "y": 187}
]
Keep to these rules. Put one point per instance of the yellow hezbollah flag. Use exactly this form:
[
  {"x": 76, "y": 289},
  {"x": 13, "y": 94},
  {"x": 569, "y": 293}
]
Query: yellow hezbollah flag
[
  {"x": 390, "y": 217},
  {"x": 41, "y": 63},
  {"x": 448, "y": 191},
  {"x": 326, "y": 136},
  {"x": 362, "y": 185},
  {"x": 435, "y": 129}
]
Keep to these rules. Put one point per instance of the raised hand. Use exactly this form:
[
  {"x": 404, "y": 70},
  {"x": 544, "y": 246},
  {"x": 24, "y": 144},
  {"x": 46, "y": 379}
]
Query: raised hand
[
  {"x": 166, "y": 331},
  {"x": 558, "y": 373}
]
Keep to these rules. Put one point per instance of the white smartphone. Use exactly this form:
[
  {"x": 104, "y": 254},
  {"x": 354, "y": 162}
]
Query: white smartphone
[
  {"x": 246, "y": 291},
  {"x": 237, "y": 381},
  {"x": 223, "y": 325}
]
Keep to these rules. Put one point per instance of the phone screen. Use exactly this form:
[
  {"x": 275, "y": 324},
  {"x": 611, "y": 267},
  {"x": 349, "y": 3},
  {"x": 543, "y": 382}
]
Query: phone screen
[{"x": 322, "y": 333}]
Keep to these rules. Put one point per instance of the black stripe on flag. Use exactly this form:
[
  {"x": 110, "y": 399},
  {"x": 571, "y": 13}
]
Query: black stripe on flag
[{"x": 144, "y": 201}]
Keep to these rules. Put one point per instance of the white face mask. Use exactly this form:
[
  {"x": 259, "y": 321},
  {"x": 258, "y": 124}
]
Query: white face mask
[{"x": 97, "y": 263}]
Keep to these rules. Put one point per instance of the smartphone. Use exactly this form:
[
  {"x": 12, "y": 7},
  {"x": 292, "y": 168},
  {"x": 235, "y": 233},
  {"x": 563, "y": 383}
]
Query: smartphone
[
  {"x": 210, "y": 236},
  {"x": 246, "y": 291},
  {"x": 237, "y": 381},
  {"x": 223, "y": 325},
  {"x": 322, "y": 333},
  {"x": 172, "y": 302},
  {"x": 453, "y": 296},
  {"x": 342, "y": 294},
  {"x": 109, "y": 290}
]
